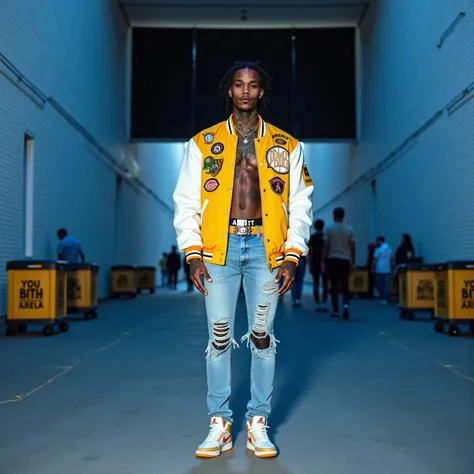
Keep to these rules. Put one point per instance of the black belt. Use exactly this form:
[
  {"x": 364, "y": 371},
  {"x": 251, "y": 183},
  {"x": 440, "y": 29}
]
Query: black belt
[{"x": 237, "y": 221}]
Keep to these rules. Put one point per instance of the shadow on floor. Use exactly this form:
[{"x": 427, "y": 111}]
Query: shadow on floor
[
  {"x": 298, "y": 355},
  {"x": 232, "y": 463}
]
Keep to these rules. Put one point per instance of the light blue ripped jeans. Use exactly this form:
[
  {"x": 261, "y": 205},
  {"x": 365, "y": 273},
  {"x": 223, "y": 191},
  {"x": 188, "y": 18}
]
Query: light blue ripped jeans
[{"x": 246, "y": 263}]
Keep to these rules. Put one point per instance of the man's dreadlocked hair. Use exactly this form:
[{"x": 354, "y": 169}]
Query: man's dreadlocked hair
[{"x": 226, "y": 81}]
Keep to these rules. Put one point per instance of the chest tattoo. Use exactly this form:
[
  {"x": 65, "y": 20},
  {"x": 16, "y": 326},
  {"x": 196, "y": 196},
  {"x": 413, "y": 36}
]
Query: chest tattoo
[{"x": 246, "y": 155}]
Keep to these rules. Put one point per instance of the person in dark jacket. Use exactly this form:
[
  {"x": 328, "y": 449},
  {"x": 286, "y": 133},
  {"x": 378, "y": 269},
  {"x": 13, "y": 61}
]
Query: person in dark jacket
[
  {"x": 174, "y": 265},
  {"x": 316, "y": 245}
]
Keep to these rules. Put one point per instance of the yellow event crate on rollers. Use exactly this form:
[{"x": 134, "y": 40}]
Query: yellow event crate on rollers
[
  {"x": 146, "y": 278},
  {"x": 359, "y": 282},
  {"x": 454, "y": 296},
  {"x": 82, "y": 289},
  {"x": 36, "y": 295},
  {"x": 123, "y": 281},
  {"x": 416, "y": 289}
]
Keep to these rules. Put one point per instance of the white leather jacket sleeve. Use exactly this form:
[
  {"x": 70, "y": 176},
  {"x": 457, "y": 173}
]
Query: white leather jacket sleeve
[
  {"x": 187, "y": 199},
  {"x": 300, "y": 205}
]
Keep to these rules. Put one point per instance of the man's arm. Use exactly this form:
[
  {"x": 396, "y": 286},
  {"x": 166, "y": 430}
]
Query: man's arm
[
  {"x": 187, "y": 214},
  {"x": 187, "y": 203},
  {"x": 374, "y": 260},
  {"x": 353, "y": 251},
  {"x": 59, "y": 251},
  {"x": 81, "y": 254},
  {"x": 299, "y": 207}
]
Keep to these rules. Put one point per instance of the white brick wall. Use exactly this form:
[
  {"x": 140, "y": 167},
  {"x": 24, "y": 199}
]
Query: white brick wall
[
  {"x": 404, "y": 80},
  {"x": 74, "y": 51},
  {"x": 159, "y": 168}
]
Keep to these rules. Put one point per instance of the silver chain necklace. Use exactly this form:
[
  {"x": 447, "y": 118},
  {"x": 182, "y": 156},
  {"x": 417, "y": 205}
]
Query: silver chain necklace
[{"x": 246, "y": 136}]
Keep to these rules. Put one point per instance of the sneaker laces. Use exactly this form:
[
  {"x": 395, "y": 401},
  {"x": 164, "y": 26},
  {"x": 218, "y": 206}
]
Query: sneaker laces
[
  {"x": 214, "y": 434},
  {"x": 260, "y": 432}
]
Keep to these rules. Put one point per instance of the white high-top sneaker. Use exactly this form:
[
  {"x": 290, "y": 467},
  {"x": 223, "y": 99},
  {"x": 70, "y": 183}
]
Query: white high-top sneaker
[
  {"x": 218, "y": 440},
  {"x": 257, "y": 438}
]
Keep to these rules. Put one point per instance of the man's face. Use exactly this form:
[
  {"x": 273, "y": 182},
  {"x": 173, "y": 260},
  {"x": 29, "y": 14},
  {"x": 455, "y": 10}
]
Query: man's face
[{"x": 245, "y": 90}]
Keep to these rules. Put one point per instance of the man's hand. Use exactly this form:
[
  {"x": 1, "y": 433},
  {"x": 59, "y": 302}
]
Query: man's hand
[
  {"x": 287, "y": 270},
  {"x": 196, "y": 269}
]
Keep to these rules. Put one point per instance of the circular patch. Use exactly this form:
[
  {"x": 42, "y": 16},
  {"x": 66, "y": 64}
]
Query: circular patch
[
  {"x": 280, "y": 141},
  {"x": 277, "y": 185},
  {"x": 209, "y": 137},
  {"x": 211, "y": 185},
  {"x": 217, "y": 148},
  {"x": 278, "y": 159}
]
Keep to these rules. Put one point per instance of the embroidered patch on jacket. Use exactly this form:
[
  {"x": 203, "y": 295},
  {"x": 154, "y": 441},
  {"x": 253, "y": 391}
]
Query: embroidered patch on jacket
[
  {"x": 212, "y": 165},
  {"x": 278, "y": 159},
  {"x": 277, "y": 185},
  {"x": 280, "y": 141},
  {"x": 217, "y": 148},
  {"x": 280, "y": 135},
  {"x": 209, "y": 137},
  {"x": 211, "y": 185},
  {"x": 306, "y": 177}
]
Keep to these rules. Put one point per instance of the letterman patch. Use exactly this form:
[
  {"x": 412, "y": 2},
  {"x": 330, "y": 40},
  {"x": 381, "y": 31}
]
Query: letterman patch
[
  {"x": 280, "y": 135},
  {"x": 306, "y": 177},
  {"x": 212, "y": 165},
  {"x": 217, "y": 148},
  {"x": 277, "y": 185},
  {"x": 209, "y": 137},
  {"x": 211, "y": 185},
  {"x": 280, "y": 141},
  {"x": 278, "y": 159}
]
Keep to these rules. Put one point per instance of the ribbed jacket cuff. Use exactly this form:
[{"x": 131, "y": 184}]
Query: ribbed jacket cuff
[
  {"x": 293, "y": 255},
  {"x": 193, "y": 252}
]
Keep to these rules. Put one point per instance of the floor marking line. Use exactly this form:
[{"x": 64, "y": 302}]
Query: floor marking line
[
  {"x": 109, "y": 346},
  {"x": 18, "y": 398},
  {"x": 399, "y": 344},
  {"x": 64, "y": 370},
  {"x": 451, "y": 369}
]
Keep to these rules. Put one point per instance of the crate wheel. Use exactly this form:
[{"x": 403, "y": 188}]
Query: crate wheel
[
  {"x": 93, "y": 313},
  {"x": 10, "y": 330},
  {"x": 471, "y": 327},
  {"x": 87, "y": 315},
  {"x": 439, "y": 326},
  {"x": 63, "y": 326},
  {"x": 453, "y": 330},
  {"x": 403, "y": 314},
  {"x": 410, "y": 315},
  {"x": 21, "y": 327},
  {"x": 48, "y": 330}
]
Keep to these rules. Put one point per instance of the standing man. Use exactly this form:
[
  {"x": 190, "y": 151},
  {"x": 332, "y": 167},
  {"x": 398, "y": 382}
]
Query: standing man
[
  {"x": 164, "y": 270},
  {"x": 382, "y": 266},
  {"x": 339, "y": 250},
  {"x": 242, "y": 216},
  {"x": 173, "y": 265},
  {"x": 316, "y": 247},
  {"x": 69, "y": 248}
]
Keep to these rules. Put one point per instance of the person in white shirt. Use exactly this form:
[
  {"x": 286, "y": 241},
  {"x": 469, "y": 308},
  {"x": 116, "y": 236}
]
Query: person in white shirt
[{"x": 382, "y": 268}]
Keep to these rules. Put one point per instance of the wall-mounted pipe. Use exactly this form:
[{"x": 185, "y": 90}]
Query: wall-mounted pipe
[
  {"x": 108, "y": 158},
  {"x": 450, "y": 29},
  {"x": 395, "y": 154}
]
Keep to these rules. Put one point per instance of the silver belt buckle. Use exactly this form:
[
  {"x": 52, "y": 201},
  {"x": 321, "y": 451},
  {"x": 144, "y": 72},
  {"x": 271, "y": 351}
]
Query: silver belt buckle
[{"x": 242, "y": 230}]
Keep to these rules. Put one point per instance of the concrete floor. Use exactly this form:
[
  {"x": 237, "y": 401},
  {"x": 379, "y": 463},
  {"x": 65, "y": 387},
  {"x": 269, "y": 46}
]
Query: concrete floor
[{"x": 126, "y": 394}]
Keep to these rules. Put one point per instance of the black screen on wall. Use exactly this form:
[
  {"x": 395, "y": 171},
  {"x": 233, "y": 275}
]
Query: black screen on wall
[
  {"x": 312, "y": 96},
  {"x": 161, "y": 83},
  {"x": 325, "y": 83}
]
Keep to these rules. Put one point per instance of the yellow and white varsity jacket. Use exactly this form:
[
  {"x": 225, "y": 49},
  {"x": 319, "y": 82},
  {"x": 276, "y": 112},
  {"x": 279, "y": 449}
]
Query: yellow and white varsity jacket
[{"x": 203, "y": 194}]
